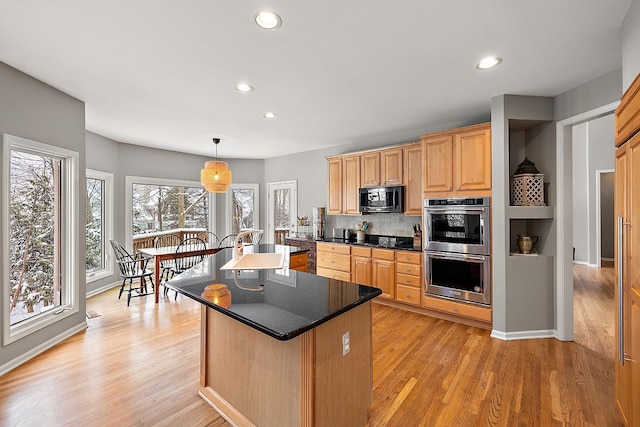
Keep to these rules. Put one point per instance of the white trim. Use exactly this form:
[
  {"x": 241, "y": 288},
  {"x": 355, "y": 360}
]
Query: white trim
[
  {"x": 564, "y": 209},
  {"x": 293, "y": 208},
  {"x": 107, "y": 223},
  {"x": 523, "y": 335},
  {"x": 228, "y": 203},
  {"x": 128, "y": 206},
  {"x": 69, "y": 237},
  {"x": 103, "y": 289},
  {"x": 24, "y": 357}
]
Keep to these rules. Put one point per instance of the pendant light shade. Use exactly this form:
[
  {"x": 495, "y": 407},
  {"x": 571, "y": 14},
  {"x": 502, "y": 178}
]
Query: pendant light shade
[{"x": 216, "y": 176}]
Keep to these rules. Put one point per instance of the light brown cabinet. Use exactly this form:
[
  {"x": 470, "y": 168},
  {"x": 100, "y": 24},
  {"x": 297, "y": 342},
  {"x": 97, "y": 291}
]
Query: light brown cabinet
[
  {"x": 334, "y": 261},
  {"x": 409, "y": 277},
  {"x": 457, "y": 162},
  {"x": 361, "y": 265},
  {"x": 384, "y": 271},
  {"x": 371, "y": 169},
  {"x": 344, "y": 182},
  {"x": 392, "y": 166},
  {"x": 627, "y": 255},
  {"x": 298, "y": 261},
  {"x": 412, "y": 170}
]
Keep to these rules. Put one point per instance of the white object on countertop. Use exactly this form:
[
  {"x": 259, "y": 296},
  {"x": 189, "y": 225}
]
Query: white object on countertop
[
  {"x": 360, "y": 236},
  {"x": 258, "y": 261},
  {"x": 238, "y": 251}
]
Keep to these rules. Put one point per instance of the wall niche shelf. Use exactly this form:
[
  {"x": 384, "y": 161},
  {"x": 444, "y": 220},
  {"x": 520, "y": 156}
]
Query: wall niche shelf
[{"x": 530, "y": 212}]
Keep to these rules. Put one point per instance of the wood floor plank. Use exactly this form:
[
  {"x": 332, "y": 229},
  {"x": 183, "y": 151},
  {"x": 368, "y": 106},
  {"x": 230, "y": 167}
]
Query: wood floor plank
[{"x": 139, "y": 365}]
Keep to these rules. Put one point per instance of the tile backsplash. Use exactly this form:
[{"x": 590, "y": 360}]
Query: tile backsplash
[{"x": 385, "y": 224}]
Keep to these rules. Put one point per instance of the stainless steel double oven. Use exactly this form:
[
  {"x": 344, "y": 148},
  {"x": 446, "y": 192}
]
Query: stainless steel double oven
[{"x": 457, "y": 249}]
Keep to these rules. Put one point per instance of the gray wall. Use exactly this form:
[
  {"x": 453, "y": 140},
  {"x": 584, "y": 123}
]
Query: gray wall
[
  {"x": 631, "y": 44},
  {"x": 580, "y": 193},
  {"x": 33, "y": 110}
]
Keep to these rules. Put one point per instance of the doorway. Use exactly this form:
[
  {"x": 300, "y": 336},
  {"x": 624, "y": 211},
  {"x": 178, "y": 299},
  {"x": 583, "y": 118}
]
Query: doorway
[{"x": 282, "y": 210}]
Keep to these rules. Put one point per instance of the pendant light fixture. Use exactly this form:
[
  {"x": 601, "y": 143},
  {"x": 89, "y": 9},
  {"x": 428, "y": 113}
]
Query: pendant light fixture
[{"x": 216, "y": 176}]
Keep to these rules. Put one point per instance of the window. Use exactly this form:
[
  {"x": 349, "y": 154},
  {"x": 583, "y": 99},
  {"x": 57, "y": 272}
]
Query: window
[
  {"x": 243, "y": 207},
  {"x": 39, "y": 229},
  {"x": 162, "y": 206},
  {"x": 99, "y": 227}
]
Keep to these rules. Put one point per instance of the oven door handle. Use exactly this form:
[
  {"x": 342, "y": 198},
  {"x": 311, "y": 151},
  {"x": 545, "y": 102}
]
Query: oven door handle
[
  {"x": 456, "y": 211},
  {"x": 456, "y": 256}
]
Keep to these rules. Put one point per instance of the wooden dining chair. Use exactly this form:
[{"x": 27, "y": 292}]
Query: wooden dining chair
[
  {"x": 132, "y": 267},
  {"x": 196, "y": 248},
  {"x": 210, "y": 237},
  {"x": 164, "y": 241},
  {"x": 227, "y": 241}
]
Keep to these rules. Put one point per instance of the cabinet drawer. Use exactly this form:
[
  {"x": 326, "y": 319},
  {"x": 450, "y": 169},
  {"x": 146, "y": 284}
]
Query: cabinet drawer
[
  {"x": 409, "y": 257},
  {"x": 408, "y": 294},
  {"x": 411, "y": 269},
  {"x": 298, "y": 261},
  {"x": 334, "y": 248},
  {"x": 457, "y": 308},
  {"x": 333, "y": 274},
  {"x": 405, "y": 279},
  {"x": 359, "y": 251},
  {"x": 334, "y": 261},
  {"x": 387, "y": 254}
]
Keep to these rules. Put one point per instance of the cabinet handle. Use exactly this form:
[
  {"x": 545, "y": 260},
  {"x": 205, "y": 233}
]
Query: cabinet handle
[
  {"x": 448, "y": 188},
  {"x": 620, "y": 295}
]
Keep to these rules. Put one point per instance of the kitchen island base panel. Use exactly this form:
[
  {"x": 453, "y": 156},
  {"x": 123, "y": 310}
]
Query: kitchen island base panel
[{"x": 253, "y": 379}]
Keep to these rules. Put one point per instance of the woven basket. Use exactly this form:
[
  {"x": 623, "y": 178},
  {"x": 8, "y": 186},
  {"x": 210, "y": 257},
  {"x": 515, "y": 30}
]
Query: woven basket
[{"x": 527, "y": 190}]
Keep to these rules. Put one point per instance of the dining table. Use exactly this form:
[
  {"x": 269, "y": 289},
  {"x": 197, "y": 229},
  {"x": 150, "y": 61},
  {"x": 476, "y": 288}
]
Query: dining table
[{"x": 165, "y": 253}]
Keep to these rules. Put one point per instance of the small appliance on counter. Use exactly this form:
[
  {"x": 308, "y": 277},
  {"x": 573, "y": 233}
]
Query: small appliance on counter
[{"x": 318, "y": 221}]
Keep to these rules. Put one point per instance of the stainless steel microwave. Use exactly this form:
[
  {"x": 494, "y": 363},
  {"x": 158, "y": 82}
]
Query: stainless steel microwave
[{"x": 382, "y": 199}]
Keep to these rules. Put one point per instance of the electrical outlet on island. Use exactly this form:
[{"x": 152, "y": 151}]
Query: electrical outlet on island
[{"x": 345, "y": 343}]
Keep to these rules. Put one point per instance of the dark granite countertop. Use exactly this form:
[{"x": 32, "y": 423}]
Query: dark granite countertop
[
  {"x": 291, "y": 302},
  {"x": 376, "y": 241}
]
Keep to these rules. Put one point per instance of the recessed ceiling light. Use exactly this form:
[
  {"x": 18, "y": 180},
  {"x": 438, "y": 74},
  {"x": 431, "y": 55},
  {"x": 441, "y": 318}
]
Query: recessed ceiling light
[
  {"x": 270, "y": 115},
  {"x": 244, "y": 87},
  {"x": 268, "y": 20},
  {"x": 488, "y": 62}
]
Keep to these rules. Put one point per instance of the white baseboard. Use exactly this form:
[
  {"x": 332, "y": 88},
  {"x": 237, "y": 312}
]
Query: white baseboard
[
  {"x": 580, "y": 262},
  {"x": 41, "y": 348},
  {"x": 523, "y": 335},
  {"x": 103, "y": 289}
]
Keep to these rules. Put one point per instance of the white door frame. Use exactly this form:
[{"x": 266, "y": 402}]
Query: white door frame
[
  {"x": 564, "y": 215},
  {"x": 271, "y": 187}
]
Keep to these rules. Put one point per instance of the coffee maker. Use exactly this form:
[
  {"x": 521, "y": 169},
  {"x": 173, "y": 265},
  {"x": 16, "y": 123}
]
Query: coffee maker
[{"x": 318, "y": 223}]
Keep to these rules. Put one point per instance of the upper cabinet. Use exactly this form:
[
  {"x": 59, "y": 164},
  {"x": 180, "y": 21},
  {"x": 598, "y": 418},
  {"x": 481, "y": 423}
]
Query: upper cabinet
[
  {"x": 412, "y": 176},
  {"x": 457, "y": 162},
  {"x": 382, "y": 167},
  {"x": 344, "y": 182}
]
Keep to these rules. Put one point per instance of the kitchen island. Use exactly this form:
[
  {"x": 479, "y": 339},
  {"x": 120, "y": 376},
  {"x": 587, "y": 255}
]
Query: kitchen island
[{"x": 295, "y": 352}]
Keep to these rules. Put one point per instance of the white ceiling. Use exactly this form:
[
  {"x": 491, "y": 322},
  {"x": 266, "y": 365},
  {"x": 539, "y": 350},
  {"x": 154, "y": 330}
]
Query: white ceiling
[{"x": 162, "y": 73}]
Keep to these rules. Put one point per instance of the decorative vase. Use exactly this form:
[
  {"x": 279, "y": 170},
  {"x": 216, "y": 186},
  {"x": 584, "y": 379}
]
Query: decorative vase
[{"x": 526, "y": 243}]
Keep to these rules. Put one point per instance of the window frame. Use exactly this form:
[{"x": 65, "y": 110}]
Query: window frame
[
  {"x": 130, "y": 180},
  {"x": 108, "y": 227},
  {"x": 69, "y": 237},
  {"x": 229, "y": 202}
]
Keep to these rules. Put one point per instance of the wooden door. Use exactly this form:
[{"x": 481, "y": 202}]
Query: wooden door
[
  {"x": 361, "y": 270},
  {"x": 391, "y": 169},
  {"x": 412, "y": 159},
  {"x": 371, "y": 169},
  {"x": 384, "y": 277},
  {"x": 351, "y": 182},
  {"x": 437, "y": 165},
  {"x": 623, "y": 371},
  {"x": 335, "y": 186},
  {"x": 632, "y": 233},
  {"x": 473, "y": 160}
]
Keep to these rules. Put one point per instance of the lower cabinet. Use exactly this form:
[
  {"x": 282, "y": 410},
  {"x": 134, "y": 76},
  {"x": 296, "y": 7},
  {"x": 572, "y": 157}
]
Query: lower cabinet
[
  {"x": 334, "y": 261},
  {"x": 384, "y": 271},
  {"x": 361, "y": 266},
  {"x": 298, "y": 261},
  {"x": 409, "y": 277}
]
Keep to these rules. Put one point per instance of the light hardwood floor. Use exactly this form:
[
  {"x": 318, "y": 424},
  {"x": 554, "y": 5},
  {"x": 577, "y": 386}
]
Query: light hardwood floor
[{"x": 139, "y": 365}]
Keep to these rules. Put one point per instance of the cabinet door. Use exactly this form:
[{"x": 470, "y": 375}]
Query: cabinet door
[
  {"x": 335, "y": 186},
  {"x": 391, "y": 169},
  {"x": 384, "y": 277},
  {"x": 370, "y": 169},
  {"x": 412, "y": 159},
  {"x": 437, "y": 164},
  {"x": 361, "y": 270},
  {"x": 473, "y": 160},
  {"x": 351, "y": 181},
  {"x": 632, "y": 258}
]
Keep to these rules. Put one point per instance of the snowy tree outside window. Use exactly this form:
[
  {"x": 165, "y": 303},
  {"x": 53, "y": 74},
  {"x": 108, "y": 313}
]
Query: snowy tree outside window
[
  {"x": 95, "y": 225},
  {"x": 33, "y": 234}
]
